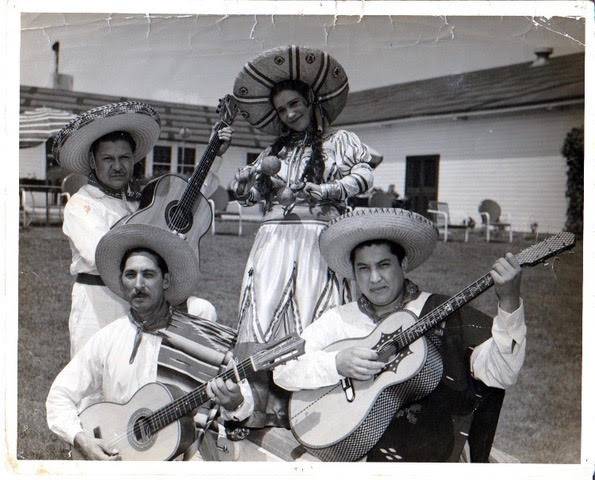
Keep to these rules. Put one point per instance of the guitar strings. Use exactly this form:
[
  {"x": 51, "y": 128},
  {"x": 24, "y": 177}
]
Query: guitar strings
[
  {"x": 164, "y": 411},
  {"x": 178, "y": 219}
]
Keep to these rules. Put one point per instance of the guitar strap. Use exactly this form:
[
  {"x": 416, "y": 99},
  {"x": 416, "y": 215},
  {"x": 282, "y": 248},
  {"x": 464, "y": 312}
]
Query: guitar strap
[{"x": 416, "y": 305}]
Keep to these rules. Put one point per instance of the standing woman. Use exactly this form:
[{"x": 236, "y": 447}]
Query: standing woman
[{"x": 304, "y": 178}]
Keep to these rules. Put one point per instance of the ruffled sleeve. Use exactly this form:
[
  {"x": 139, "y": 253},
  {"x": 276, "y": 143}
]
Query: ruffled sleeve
[{"x": 351, "y": 169}]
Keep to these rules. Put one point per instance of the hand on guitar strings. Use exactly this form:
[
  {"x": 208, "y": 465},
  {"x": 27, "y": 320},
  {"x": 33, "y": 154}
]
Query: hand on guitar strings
[
  {"x": 359, "y": 363},
  {"x": 94, "y": 448},
  {"x": 225, "y": 393},
  {"x": 506, "y": 273},
  {"x": 225, "y": 136}
]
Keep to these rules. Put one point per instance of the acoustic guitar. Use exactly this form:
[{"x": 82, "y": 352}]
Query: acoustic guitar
[
  {"x": 342, "y": 422},
  {"x": 154, "y": 424},
  {"x": 176, "y": 204}
]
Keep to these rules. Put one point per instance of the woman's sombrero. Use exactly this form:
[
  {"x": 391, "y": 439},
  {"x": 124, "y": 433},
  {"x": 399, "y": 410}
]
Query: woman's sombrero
[
  {"x": 181, "y": 260},
  {"x": 321, "y": 72},
  {"x": 415, "y": 233},
  {"x": 73, "y": 143}
]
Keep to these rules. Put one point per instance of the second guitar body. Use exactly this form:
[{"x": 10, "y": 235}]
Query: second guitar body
[{"x": 159, "y": 206}]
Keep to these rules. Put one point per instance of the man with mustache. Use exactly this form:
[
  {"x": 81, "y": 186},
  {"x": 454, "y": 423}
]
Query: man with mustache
[
  {"x": 153, "y": 270},
  {"x": 104, "y": 144}
]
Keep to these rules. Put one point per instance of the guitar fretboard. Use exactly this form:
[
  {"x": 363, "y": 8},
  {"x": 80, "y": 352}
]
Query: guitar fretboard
[
  {"x": 441, "y": 312},
  {"x": 194, "y": 399},
  {"x": 197, "y": 179}
]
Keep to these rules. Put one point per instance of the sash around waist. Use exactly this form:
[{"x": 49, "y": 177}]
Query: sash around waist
[
  {"x": 89, "y": 279},
  {"x": 300, "y": 214}
]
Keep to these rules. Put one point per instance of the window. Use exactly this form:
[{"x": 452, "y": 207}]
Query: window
[
  {"x": 186, "y": 158},
  {"x": 161, "y": 160}
]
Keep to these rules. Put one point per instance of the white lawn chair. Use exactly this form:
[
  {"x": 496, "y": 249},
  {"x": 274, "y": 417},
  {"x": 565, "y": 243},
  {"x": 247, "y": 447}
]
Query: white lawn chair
[{"x": 443, "y": 220}]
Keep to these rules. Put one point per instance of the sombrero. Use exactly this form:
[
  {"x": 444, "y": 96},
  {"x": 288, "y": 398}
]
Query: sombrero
[
  {"x": 415, "y": 233},
  {"x": 181, "y": 260},
  {"x": 73, "y": 143},
  {"x": 314, "y": 67}
]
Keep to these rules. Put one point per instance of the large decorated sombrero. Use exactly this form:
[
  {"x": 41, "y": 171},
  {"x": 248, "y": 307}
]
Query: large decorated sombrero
[
  {"x": 321, "y": 72},
  {"x": 415, "y": 233},
  {"x": 181, "y": 261},
  {"x": 73, "y": 143}
]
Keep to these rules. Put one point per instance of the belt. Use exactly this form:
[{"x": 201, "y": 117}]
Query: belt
[{"x": 89, "y": 279}]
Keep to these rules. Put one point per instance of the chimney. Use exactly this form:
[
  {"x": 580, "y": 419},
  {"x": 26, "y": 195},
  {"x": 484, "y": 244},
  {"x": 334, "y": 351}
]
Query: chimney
[
  {"x": 542, "y": 55},
  {"x": 60, "y": 81}
]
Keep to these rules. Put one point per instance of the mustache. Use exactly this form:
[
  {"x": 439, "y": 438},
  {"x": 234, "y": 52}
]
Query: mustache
[{"x": 139, "y": 292}]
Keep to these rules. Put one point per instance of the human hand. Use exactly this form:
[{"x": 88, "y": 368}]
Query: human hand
[
  {"x": 506, "y": 273},
  {"x": 359, "y": 363},
  {"x": 94, "y": 448},
  {"x": 313, "y": 191},
  {"x": 225, "y": 393},
  {"x": 243, "y": 180},
  {"x": 225, "y": 136}
]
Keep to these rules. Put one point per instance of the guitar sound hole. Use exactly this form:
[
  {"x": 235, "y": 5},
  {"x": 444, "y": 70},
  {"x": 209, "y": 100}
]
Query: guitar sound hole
[
  {"x": 177, "y": 218},
  {"x": 140, "y": 436},
  {"x": 142, "y": 430}
]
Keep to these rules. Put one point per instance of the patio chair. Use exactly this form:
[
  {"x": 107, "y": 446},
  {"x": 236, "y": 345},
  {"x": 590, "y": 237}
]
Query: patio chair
[
  {"x": 442, "y": 219},
  {"x": 72, "y": 183},
  {"x": 491, "y": 218},
  {"x": 222, "y": 206},
  {"x": 41, "y": 206}
]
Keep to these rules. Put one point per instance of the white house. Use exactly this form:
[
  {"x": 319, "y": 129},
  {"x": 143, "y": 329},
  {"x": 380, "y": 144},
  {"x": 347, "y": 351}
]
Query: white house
[{"x": 494, "y": 133}]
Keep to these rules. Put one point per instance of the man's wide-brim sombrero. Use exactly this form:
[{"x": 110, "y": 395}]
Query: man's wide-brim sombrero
[
  {"x": 317, "y": 69},
  {"x": 415, "y": 233},
  {"x": 73, "y": 143},
  {"x": 181, "y": 260}
]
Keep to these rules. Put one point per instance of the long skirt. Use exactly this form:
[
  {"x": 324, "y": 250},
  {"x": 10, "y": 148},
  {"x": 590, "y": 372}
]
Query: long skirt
[{"x": 286, "y": 284}]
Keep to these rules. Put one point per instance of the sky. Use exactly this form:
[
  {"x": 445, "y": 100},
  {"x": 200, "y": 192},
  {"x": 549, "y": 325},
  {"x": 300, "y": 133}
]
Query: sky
[{"x": 195, "y": 58}]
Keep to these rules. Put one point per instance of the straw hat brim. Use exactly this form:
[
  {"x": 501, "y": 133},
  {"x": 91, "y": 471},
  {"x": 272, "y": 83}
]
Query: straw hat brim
[
  {"x": 415, "y": 233},
  {"x": 73, "y": 143},
  {"x": 317, "y": 69},
  {"x": 181, "y": 261}
]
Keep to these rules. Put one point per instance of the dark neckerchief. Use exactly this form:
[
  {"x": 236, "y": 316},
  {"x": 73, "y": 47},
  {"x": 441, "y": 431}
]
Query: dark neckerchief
[
  {"x": 142, "y": 328},
  {"x": 411, "y": 292},
  {"x": 129, "y": 193}
]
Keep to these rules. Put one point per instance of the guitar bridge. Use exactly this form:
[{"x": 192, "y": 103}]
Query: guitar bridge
[{"x": 347, "y": 386}]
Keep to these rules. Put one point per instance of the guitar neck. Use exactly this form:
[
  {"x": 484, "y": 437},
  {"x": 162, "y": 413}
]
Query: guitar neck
[
  {"x": 440, "y": 313},
  {"x": 197, "y": 179},
  {"x": 194, "y": 399}
]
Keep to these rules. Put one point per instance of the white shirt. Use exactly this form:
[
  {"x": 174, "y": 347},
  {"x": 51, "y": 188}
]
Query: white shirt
[
  {"x": 88, "y": 216},
  {"x": 101, "y": 370},
  {"x": 496, "y": 362}
]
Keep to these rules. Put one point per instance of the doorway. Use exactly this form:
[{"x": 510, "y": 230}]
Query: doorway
[{"x": 421, "y": 181}]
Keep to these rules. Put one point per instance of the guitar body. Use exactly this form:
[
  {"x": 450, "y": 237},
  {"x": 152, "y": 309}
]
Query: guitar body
[
  {"x": 115, "y": 423},
  {"x": 338, "y": 424},
  {"x": 158, "y": 207}
]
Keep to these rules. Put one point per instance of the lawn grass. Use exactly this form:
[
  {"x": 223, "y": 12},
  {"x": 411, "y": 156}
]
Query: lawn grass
[{"x": 540, "y": 420}]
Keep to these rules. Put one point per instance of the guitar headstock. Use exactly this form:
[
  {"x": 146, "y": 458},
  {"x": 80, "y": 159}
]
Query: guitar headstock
[
  {"x": 545, "y": 249},
  {"x": 280, "y": 352},
  {"x": 227, "y": 109}
]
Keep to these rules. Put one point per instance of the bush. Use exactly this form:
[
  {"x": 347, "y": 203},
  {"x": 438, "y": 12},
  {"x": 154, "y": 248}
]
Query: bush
[{"x": 573, "y": 150}]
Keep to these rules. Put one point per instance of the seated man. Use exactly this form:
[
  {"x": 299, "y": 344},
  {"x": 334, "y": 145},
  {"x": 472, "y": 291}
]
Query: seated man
[
  {"x": 152, "y": 270},
  {"x": 479, "y": 357}
]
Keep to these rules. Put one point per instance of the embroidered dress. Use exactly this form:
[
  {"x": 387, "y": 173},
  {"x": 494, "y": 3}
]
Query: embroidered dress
[{"x": 287, "y": 284}]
